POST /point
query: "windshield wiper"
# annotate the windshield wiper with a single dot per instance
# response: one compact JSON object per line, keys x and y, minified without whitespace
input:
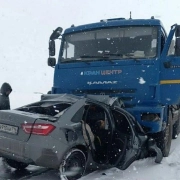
{"x":109,"y":55}
{"x":74,"y":60}
{"x":105,"y":55}
{"x":131,"y":56}
{"x":102,"y":57}
{"x":90,"y":56}
{"x":113,"y":54}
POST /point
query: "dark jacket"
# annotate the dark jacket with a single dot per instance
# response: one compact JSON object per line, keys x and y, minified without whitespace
{"x":4,"y":98}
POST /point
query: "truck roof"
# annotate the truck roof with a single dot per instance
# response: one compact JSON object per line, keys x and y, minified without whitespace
{"x":114,"y":23}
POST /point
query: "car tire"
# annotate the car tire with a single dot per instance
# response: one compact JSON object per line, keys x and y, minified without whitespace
{"x":176,"y":128}
{"x":165,"y":137}
{"x":15,"y":164}
{"x":73,"y":165}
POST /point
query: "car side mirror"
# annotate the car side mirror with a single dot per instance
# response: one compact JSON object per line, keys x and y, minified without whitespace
{"x":51,"y":61}
{"x":52,"y":49}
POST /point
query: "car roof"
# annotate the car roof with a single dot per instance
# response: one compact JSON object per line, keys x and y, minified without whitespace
{"x":105,"y":99}
{"x":60,"y":97}
{"x":70,"y":98}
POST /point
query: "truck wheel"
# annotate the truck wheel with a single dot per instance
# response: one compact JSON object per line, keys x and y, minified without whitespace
{"x":15,"y":164}
{"x":176,"y":127}
{"x":73,"y":165}
{"x":165,"y":137}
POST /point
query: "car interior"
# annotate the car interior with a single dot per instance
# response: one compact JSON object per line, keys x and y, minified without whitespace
{"x":108,"y":145}
{"x":94,"y":116}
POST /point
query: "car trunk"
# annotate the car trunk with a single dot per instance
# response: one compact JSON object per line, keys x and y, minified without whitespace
{"x":11,"y":124}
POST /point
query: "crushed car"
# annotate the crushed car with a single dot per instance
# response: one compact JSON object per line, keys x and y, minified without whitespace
{"x":73,"y":134}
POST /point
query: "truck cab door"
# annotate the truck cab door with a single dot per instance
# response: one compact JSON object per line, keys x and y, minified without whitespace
{"x":170,"y":69}
{"x":125,"y":146}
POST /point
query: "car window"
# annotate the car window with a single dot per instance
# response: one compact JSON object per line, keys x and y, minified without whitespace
{"x":121,"y":122}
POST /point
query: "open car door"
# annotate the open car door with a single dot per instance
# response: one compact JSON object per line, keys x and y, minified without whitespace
{"x":126,"y":145}
{"x":114,"y":137}
{"x":119,"y":144}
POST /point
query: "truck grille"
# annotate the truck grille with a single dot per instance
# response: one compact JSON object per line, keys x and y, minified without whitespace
{"x":126,"y":95}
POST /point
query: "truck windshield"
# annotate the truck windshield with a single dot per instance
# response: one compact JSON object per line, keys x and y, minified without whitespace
{"x":135,"y":42}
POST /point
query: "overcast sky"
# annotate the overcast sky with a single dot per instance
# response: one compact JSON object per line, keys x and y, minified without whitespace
{"x":67,"y":12}
{"x":25,"y":27}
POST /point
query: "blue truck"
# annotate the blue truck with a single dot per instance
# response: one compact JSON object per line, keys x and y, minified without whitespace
{"x":132,"y":59}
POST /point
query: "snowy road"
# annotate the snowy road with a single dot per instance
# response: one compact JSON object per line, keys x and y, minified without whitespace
{"x":7,"y":173}
{"x":144,"y":169}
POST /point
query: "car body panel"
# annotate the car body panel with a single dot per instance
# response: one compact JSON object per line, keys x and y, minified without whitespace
{"x":16,"y":118}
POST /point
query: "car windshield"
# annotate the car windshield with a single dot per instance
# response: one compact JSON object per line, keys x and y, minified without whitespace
{"x":112,"y":43}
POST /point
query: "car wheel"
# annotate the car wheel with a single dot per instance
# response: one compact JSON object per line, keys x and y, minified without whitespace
{"x":73,"y":165}
{"x":176,"y":129}
{"x":15,"y":164}
{"x":165,"y":137}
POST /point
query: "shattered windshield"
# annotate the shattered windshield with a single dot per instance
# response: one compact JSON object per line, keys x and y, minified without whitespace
{"x":112,"y":43}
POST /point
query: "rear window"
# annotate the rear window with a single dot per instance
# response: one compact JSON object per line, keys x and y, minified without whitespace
{"x":46,"y":108}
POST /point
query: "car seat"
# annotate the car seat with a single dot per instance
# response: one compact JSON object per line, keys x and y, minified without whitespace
{"x":91,"y":140}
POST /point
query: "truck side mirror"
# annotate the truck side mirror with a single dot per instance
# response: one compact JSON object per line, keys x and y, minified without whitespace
{"x":56,"y":33}
{"x":51,"y":61}
{"x":52,"y":49}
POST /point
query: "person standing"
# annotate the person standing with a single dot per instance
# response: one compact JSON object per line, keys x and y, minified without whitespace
{"x":4,"y":96}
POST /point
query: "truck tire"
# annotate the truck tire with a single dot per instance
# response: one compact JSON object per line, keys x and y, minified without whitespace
{"x":176,"y":128}
{"x":164,"y":138}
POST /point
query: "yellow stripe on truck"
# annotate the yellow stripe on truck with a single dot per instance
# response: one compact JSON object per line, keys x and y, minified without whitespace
{"x":170,"y":82}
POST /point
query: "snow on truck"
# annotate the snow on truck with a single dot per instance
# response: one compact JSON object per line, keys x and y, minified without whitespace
{"x":132,"y":59}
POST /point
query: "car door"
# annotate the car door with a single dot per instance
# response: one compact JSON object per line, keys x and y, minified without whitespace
{"x":125,"y":146}
{"x":170,"y":68}
{"x":95,"y":114}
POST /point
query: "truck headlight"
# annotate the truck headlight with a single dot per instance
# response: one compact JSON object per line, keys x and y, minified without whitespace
{"x":150,"y":117}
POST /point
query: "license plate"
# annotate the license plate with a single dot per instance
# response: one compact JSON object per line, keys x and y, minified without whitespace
{"x":8,"y":129}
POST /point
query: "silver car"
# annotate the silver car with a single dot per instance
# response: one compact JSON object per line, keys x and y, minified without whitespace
{"x":73,"y":134}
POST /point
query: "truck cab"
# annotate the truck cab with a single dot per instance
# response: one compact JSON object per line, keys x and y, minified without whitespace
{"x":132,"y":59}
